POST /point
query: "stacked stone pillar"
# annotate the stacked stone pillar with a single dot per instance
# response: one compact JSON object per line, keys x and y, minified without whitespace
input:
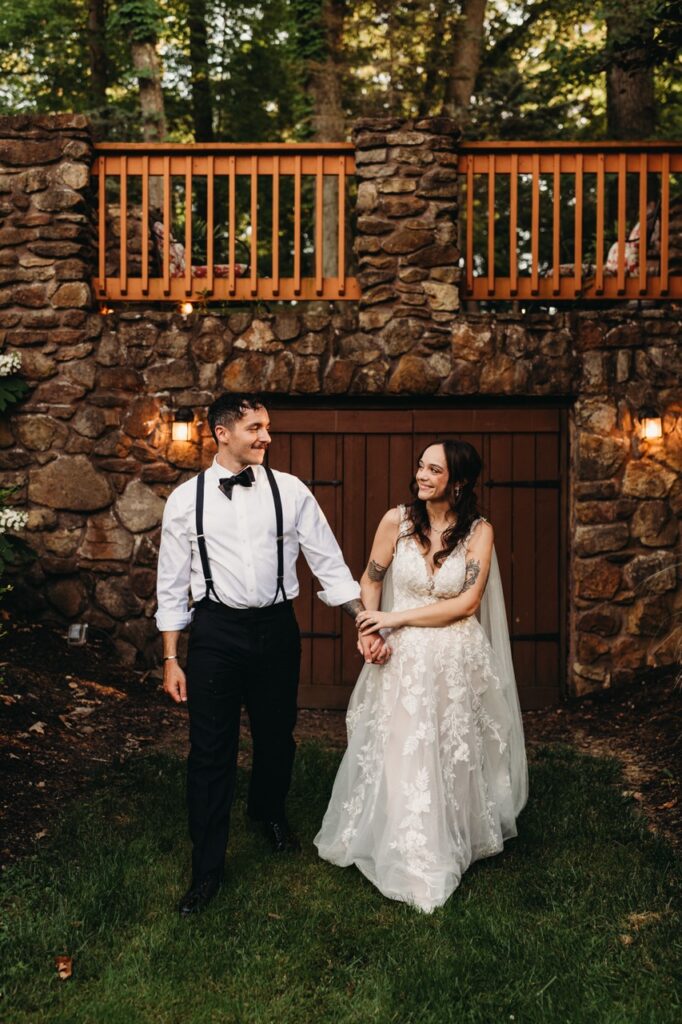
{"x":405,"y":245}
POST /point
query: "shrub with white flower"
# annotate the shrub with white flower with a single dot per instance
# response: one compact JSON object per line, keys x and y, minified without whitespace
{"x":12,"y":387}
{"x":13,"y":549}
{"x":12,"y":519}
{"x":10,"y":362}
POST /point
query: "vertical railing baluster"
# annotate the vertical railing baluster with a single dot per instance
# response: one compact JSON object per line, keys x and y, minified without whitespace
{"x":188,"y":225}
{"x":622,"y":222}
{"x":297,"y":224}
{"x":123,"y":268}
{"x":319,"y":225}
{"x":556,"y":227}
{"x":275,"y":225}
{"x":254,"y":225}
{"x":513,"y":224}
{"x":144,"y":240}
{"x":491,"y":224}
{"x":341,"y":258}
{"x":535,"y":224}
{"x":599,"y":270}
{"x":665,"y":222}
{"x":102,"y":251}
{"x":578,"y":227}
{"x":642,"y":245}
{"x":232,"y":224}
{"x":470,"y":225}
{"x":210,"y":223}
{"x":167,"y":226}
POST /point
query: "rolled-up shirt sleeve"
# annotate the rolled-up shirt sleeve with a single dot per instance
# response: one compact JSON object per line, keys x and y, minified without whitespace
{"x":174,"y":570}
{"x":322,"y":552}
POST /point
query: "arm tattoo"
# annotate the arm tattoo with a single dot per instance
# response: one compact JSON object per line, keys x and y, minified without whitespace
{"x":375,"y":571}
{"x":353,"y":608}
{"x":472,"y":572}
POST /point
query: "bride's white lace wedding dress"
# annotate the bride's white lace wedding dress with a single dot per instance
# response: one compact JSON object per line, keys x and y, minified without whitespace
{"x":435,"y":771}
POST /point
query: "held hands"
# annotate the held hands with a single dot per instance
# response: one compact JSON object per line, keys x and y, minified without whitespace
{"x":174,"y":682}
{"x":374,"y":649}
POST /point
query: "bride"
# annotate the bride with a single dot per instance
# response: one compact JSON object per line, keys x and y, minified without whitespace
{"x":435,"y":774}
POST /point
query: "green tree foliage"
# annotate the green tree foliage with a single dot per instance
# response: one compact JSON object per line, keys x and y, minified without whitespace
{"x":543,"y":69}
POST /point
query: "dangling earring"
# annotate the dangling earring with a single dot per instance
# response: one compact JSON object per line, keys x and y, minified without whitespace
{"x":458,"y":491}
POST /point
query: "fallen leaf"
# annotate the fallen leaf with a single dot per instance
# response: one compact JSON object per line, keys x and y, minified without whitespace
{"x":626,"y":940}
{"x":647,"y":917}
{"x":41,"y":834}
{"x":38,"y":727}
{"x":104,"y":691}
{"x":276,"y":917}
{"x":667,"y":806}
{"x":64,"y":965}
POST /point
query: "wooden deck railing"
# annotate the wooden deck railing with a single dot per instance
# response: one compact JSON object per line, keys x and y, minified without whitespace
{"x":560,"y":221}
{"x":540,"y":221}
{"x":223,"y":221}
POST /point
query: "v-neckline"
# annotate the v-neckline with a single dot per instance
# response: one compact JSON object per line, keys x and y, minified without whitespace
{"x":431,"y":575}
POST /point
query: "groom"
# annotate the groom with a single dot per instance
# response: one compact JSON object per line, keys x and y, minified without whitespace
{"x":231,"y":535}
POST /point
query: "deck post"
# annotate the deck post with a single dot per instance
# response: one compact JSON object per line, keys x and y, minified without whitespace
{"x":406,"y":237}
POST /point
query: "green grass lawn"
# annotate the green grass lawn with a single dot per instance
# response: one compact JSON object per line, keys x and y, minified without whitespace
{"x":541,"y":933}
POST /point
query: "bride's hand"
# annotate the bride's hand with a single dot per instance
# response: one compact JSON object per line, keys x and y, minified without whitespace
{"x":371,"y":622}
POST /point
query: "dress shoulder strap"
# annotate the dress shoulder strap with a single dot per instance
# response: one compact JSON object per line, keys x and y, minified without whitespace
{"x":481,"y":519}
{"x":405,"y":524}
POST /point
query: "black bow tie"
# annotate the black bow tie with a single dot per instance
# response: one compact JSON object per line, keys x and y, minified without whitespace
{"x":243,"y":479}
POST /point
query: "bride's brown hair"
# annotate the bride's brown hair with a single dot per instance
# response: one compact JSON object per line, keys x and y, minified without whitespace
{"x":464,"y":466}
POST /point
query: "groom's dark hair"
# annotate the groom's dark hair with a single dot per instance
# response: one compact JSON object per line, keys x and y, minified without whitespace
{"x":230,"y":407}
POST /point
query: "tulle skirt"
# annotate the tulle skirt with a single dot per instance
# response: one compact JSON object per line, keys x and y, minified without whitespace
{"x":426,"y":785}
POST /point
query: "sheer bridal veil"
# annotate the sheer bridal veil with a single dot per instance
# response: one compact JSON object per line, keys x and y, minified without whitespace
{"x":492,"y":615}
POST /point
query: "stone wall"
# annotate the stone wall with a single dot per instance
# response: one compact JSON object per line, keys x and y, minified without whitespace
{"x":91,"y":449}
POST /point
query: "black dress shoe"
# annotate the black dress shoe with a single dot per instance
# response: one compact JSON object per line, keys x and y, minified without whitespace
{"x":199,"y":895}
{"x":281,"y":838}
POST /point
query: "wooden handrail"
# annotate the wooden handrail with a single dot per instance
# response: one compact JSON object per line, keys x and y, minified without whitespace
{"x":578,"y":209}
{"x":231,"y":200}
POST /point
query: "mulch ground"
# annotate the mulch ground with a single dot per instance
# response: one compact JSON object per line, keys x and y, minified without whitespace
{"x":69,"y":713}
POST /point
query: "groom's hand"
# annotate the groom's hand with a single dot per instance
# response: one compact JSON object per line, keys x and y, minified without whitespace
{"x":374,"y":649}
{"x":174,"y":682}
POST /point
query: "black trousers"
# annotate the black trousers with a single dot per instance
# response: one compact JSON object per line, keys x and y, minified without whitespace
{"x":238,"y":656}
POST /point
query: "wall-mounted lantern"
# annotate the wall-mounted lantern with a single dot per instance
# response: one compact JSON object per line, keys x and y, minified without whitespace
{"x":185,"y":308}
{"x":181,"y":429}
{"x":650,"y":424}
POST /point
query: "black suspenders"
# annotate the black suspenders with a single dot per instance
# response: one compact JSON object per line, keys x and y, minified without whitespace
{"x":201,"y":540}
{"x":279,"y":521}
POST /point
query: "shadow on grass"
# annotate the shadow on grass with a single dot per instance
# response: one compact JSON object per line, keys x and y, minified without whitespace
{"x":542,"y":933}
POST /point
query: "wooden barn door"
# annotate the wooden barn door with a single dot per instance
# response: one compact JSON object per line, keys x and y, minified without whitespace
{"x":360,"y":462}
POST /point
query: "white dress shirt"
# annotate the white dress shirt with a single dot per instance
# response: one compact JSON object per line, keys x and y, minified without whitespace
{"x":241,"y":541}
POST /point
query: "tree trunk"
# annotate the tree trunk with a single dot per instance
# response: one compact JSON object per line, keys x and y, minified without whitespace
{"x":148,"y":70}
{"x":630,"y":96}
{"x":466,"y":60}
{"x":434,"y":61}
{"x":97,"y":55}
{"x":328,"y":122}
{"x":202,"y":104}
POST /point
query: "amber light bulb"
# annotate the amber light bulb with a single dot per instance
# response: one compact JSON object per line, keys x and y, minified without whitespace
{"x":650,"y":424}
{"x":181,"y":429}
